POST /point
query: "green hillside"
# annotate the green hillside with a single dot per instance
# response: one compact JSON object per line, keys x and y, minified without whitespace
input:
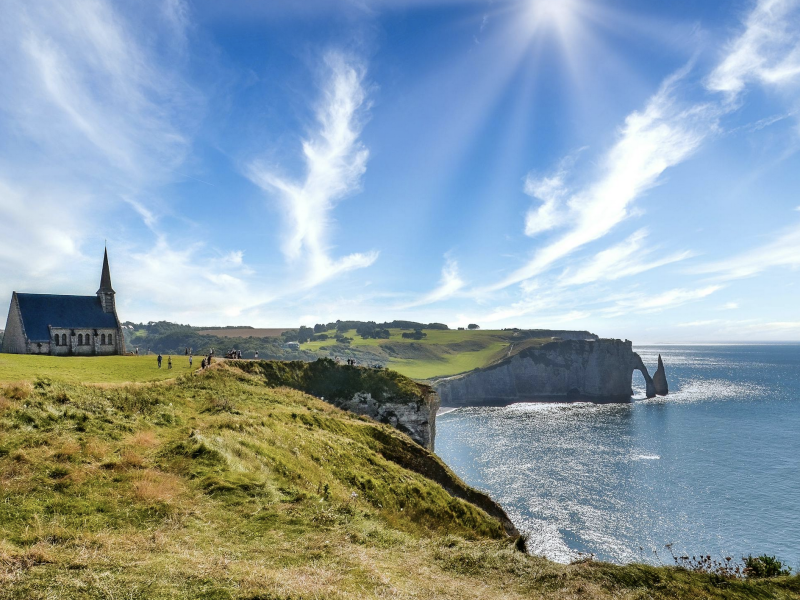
{"x":438,"y":352}
{"x":215,"y":485}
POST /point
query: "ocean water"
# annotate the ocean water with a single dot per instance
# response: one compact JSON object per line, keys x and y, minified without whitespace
{"x":713,"y":468}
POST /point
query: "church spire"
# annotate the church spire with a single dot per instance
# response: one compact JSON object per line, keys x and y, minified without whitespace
{"x":106,"y":292}
{"x":105,"y":278}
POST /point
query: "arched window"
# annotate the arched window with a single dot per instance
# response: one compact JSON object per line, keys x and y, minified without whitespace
{"x":103,"y":339}
{"x":80,"y":339}
{"x":110,"y":339}
{"x":56,"y":339}
{"x":63,"y":339}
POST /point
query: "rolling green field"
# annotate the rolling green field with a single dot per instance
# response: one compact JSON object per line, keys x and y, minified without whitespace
{"x":91,"y":369}
{"x":440,"y":353}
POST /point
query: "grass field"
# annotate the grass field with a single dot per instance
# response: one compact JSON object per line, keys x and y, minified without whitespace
{"x":91,"y":369}
{"x":214,"y":486}
{"x":440,"y":353}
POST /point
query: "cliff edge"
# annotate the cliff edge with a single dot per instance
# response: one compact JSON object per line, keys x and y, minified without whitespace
{"x":384,"y":395}
{"x":567,"y":369}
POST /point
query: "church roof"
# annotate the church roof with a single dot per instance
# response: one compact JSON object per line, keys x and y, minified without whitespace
{"x":40,"y":310}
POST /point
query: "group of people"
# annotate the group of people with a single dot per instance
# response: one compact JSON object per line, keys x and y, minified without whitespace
{"x":206,"y":362}
{"x":233,"y":354}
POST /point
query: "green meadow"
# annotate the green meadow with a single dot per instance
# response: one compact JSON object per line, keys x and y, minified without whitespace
{"x":439,"y":354}
{"x":92,"y":369}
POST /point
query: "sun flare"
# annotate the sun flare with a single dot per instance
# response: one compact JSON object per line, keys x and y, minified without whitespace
{"x":554,"y":14}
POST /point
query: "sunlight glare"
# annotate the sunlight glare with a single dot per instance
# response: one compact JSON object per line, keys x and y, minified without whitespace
{"x":554,"y":14}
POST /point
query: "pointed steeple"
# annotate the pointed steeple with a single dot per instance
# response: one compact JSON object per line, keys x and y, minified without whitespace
{"x":105,"y":278}
{"x":106,"y":292}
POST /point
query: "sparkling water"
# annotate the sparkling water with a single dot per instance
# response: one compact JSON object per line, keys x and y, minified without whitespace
{"x":713,"y":468}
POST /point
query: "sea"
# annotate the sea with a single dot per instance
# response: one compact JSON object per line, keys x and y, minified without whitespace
{"x":711,"y":469}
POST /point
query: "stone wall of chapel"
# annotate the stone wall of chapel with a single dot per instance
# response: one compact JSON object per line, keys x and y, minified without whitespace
{"x":14,"y":340}
{"x":94,"y":347}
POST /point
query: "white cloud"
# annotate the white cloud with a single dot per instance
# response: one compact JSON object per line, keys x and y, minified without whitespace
{"x":662,"y":135}
{"x":91,"y":114}
{"x":627,"y":258}
{"x":551,"y":190}
{"x":648,"y":303}
{"x":187,"y":282}
{"x":335,"y":159}
{"x":449,"y":284}
{"x":730,"y":306}
{"x":39,"y":247}
{"x":82,"y":81}
{"x":767,"y":51}
{"x":783,"y":251}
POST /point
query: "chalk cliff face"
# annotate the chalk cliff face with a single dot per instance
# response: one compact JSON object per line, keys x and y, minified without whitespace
{"x":570,"y":369}
{"x":416,"y":419}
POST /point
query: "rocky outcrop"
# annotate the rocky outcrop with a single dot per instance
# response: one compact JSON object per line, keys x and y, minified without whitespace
{"x":660,"y":386}
{"x":416,"y":419}
{"x":638,"y":364}
{"x":567,"y":370}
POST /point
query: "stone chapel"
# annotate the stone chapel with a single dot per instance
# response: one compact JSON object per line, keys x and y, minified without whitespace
{"x":65,"y":325}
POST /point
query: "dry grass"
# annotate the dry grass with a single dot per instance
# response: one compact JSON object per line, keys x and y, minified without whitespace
{"x":67,"y":451}
{"x":16,"y":390}
{"x":155,"y":486}
{"x":96,"y":449}
{"x":144,"y":439}
{"x":130,"y":459}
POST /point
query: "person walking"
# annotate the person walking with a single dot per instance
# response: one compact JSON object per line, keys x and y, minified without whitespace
{"x":159,"y":360}
{"x":190,"y":361}
{"x":169,"y":362}
{"x":256,"y":354}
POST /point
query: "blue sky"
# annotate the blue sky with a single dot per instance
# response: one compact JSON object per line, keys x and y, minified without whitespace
{"x":630,"y":168}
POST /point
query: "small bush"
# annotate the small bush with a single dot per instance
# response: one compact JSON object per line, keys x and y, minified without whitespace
{"x":758,"y":567}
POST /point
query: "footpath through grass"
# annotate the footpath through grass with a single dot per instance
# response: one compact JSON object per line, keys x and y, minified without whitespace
{"x":216,"y":486}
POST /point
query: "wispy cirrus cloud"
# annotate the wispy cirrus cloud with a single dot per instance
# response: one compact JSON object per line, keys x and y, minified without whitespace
{"x":82,"y":81}
{"x":449,"y":285}
{"x":665,"y":133}
{"x":629,"y":257}
{"x":767,"y":51}
{"x":335,"y":159}
{"x":783,"y":251}
{"x":649,"y":303}
{"x":94,"y":110}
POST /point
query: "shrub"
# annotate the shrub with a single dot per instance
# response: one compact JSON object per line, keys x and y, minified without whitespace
{"x":764,"y":566}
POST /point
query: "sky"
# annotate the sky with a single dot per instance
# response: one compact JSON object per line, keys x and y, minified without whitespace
{"x":630,"y":168}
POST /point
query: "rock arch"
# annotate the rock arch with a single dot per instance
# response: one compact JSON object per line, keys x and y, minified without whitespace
{"x":638,"y":365}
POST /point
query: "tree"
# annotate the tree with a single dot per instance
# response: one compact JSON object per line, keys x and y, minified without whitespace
{"x":304,"y":334}
{"x":320,"y":328}
{"x":473,"y":326}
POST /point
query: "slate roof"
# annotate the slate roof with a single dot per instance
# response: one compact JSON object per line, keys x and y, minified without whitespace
{"x":40,"y":310}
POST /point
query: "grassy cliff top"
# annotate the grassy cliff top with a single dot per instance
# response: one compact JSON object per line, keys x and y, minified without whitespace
{"x":218,"y":486}
{"x":440,"y":353}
